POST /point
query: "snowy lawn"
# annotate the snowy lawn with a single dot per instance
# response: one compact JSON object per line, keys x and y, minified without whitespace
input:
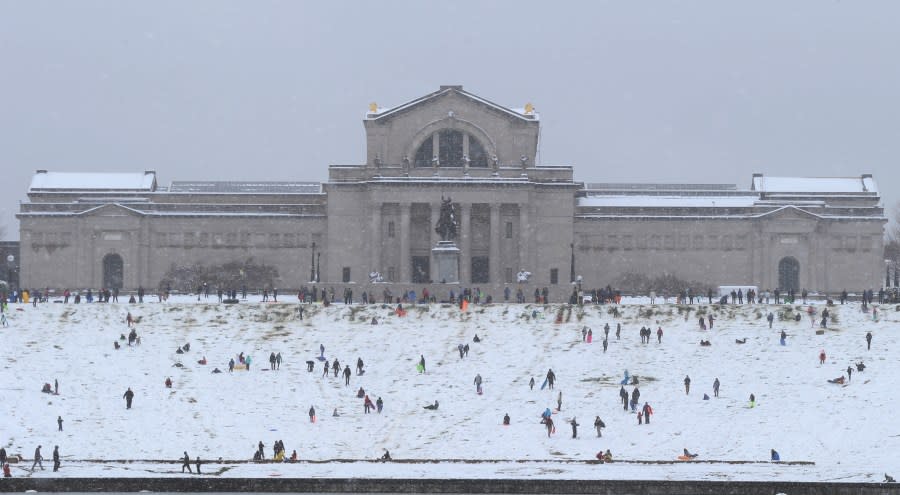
{"x":846,"y":431}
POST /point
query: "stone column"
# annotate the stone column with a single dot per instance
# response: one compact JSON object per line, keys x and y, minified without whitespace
{"x":524,"y":240}
{"x":495,"y":269}
{"x":375,"y":262}
{"x":405,"y":260}
{"x":465,"y":240}
{"x":435,"y":237}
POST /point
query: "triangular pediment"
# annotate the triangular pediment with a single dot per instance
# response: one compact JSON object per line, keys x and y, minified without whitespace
{"x":111,"y":210}
{"x":455,"y":94}
{"x":789,"y":212}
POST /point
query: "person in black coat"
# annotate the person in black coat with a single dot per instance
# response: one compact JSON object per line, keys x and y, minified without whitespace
{"x":128,"y":396}
{"x":186,"y":463}
{"x":56,"y":458}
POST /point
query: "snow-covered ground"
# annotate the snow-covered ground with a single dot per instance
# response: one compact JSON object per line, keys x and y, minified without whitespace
{"x":848,"y":431}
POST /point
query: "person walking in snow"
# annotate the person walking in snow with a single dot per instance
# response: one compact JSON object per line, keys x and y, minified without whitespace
{"x":551,"y":377}
{"x":584,"y":334}
{"x":849,"y":373}
{"x":659,"y":333}
{"x":129,"y":396}
{"x":272,"y":361}
{"x":687,"y":384}
{"x":186,"y":463}
{"x":549,"y":423}
{"x":324,"y":369}
{"x":716,"y":387}
{"x":605,"y":345}
{"x":606,"y":331}
{"x":868,"y":341}
{"x":56,"y":458}
{"x":478,"y":383}
{"x":37,"y":459}
{"x":531,"y":384}
{"x":711,"y":319}
{"x":312,"y":414}
{"x":618,"y":330}
{"x":770,"y":317}
{"x":559,"y":401}
{"x":347,"y":374}
{"x":598,"y":425}
{"x":623,"y":394}
{"x":336,"y":367}
{"x":359,"y":366}
{"x":574,"y":428}
{"x":422,"y":363}
{"x":648,"y":411}
{"x":278,"y":361}
{"x":822,"y":356}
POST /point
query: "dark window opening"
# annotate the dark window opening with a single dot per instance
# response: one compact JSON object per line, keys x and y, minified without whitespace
{"x":480,"y":270}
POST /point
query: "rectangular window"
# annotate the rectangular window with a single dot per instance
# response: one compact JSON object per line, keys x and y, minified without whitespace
{"x":391,"y":229}
{"x":509,"y":230}
{"x":554,"y":276}
{"x":345,"y":276}
{"x":391,"y":274}
{"x":509,"y":275}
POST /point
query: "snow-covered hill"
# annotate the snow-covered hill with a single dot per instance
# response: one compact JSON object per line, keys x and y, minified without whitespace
{"x":847,"y":431}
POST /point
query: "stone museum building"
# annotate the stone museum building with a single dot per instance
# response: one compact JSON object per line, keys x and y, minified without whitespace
{"x":93,"y":230}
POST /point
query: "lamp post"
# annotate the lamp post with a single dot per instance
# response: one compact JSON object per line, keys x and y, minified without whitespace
{"x":318,"y":264}
{"x":312,"y":263}
{"x":572,"y":264}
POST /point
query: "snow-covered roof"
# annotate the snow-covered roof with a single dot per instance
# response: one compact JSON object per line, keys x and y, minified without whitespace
{"x":652,"y":201}
{"x":245,"y":187}
{"x":862,"y":184}
{"x":99,"y":181}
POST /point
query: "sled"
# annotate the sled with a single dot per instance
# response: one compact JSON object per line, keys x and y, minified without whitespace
{"x":685,"y":458}
{"x":240,"y":366}
{"x":360,"y":372}
{"x":590,"y":339}
{"x":544,"y":384}
{"x":322,"y":358}
{"x":420,"y":368}
{"x":481,"y":392}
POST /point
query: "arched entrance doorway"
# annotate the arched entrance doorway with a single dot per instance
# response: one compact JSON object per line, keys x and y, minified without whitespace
{"x":113,"y":271}
{"x":788,"y":274}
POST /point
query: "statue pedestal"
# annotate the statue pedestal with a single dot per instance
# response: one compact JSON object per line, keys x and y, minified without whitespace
{"x":446,"y":261}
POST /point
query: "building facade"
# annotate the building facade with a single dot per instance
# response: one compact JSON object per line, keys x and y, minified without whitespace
{"x":82,"y":230}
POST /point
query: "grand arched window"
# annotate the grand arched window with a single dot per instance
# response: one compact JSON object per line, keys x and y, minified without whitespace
{"x":451,"y":147}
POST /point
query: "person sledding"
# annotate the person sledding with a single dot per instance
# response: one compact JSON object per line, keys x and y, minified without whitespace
{"x":432,"y":407}
{"x":839,"y":380}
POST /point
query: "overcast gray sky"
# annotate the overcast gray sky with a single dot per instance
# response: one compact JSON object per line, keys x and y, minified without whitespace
{"x":627,"y":91}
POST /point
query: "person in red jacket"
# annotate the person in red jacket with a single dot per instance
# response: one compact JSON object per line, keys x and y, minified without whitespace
{"x":822,"y":357}
{"x":648,"y":411}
